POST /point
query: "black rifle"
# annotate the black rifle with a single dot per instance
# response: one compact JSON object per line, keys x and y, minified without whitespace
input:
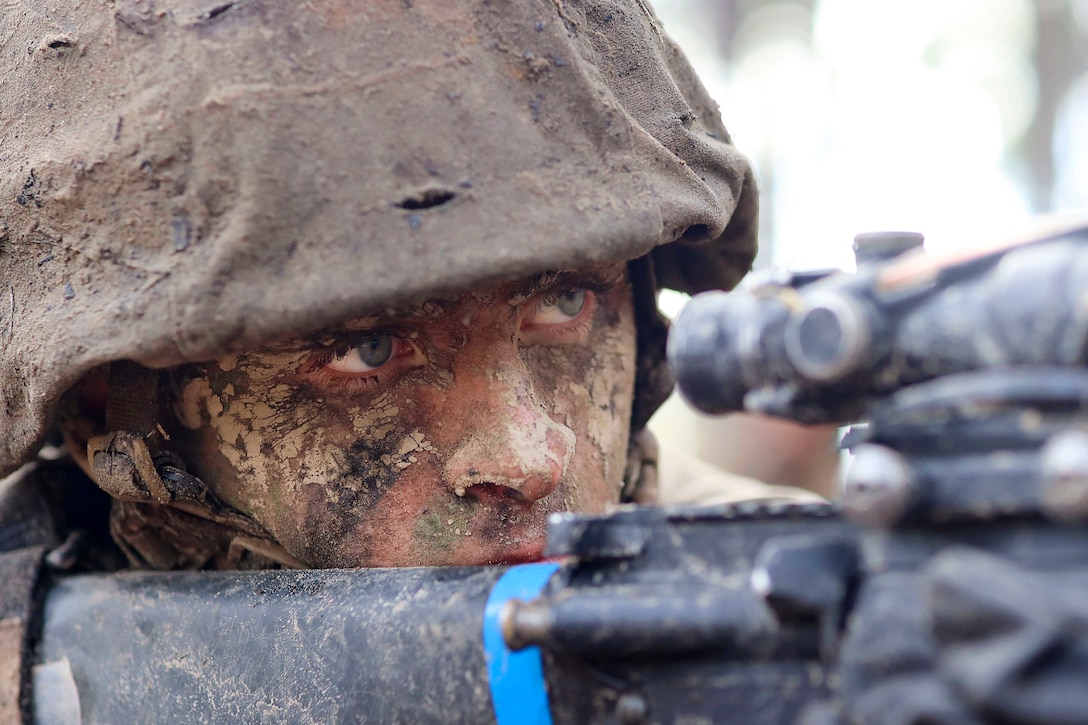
{"x":949,"y":585}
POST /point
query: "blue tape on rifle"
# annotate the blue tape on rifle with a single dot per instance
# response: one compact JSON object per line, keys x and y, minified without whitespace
{"x":517,"y":678}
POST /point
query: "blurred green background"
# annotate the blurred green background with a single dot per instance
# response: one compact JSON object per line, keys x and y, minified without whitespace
{"x":960,"y":119}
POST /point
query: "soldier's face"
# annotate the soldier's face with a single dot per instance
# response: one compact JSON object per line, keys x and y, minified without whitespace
{"x":441,"y":434}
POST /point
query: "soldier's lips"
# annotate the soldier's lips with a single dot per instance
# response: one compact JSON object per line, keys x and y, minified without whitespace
{"x":527,"y":552}
{"x":520,"y":547}
{"x":520,"y":559}
{"x":512,"y":533}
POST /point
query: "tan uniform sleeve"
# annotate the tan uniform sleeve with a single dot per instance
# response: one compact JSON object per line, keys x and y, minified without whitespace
{"x":684,"y":479}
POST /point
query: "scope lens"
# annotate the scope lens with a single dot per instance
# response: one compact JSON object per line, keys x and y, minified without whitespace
{"x":821,"y":337}
{"x":828,"y":340}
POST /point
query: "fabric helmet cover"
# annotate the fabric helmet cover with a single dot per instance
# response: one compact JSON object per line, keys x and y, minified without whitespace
{"x":183,"y":179}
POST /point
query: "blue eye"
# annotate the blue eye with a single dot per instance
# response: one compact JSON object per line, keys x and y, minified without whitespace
{"x":556,"y":309}
{"x":571,"y":303}
{"x":376,"y":351}
{"x":370,"y":354}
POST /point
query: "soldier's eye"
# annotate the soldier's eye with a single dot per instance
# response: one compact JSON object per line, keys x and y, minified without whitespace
{"x":369,"y":355}
{"x":557,"y":308}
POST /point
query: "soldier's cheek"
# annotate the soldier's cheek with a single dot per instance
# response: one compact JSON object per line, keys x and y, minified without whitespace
{"x":414,"y":525}
{"x":591,"y":392}
{"x":401,"y":516}
{"x":352,"y":496}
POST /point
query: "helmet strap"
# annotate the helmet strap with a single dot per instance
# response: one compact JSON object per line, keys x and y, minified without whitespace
{"x":653,"y":384}
{"x":132,"y":404}
{"x":653,"y":381}
{"x":640,"y":476}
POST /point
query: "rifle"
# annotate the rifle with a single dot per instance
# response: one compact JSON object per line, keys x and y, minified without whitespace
{"x":949,"y":584}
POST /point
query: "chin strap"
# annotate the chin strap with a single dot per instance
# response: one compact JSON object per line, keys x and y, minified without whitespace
{"x":164,"y":517}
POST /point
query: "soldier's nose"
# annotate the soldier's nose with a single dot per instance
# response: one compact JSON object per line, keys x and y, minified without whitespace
{"x":522,"y":457}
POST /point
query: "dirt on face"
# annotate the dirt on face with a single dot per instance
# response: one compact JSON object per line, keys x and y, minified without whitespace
{"x":439,"y":434}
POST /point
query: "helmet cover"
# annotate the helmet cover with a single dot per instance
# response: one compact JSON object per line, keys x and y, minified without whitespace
{"x":184,"y":179}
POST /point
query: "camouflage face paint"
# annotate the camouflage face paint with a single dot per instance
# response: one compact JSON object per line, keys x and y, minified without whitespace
{"x":443,"y":434}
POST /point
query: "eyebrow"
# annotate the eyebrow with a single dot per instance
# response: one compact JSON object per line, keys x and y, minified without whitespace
{"x":523,"y":289}
{"x":595,"y":279}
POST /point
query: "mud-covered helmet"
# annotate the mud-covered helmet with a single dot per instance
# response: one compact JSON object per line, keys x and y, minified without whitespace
{"x":183,"y":179}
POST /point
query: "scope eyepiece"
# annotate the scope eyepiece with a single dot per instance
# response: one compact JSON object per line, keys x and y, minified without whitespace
{"x":828,"y":339}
